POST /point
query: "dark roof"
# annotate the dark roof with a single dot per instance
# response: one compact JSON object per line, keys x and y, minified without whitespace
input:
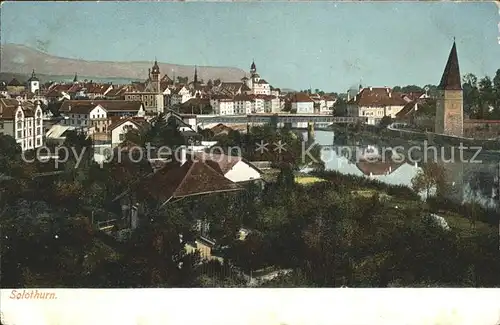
{"x":15,"y":83}
{"x":192,"y":178}
{"x":451,"y":75}
{"x":8,"y":108}
{"x":139,"y":123}
{"x":85,"y":106}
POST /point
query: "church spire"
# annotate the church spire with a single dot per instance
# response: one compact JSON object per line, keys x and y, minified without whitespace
{"x":451,"y":75}
{"x":195,"y":75}
{"x":76,"y":78}
{"x":253,"y":68}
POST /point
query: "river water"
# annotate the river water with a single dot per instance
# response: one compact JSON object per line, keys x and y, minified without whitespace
{"x":466,"y":180}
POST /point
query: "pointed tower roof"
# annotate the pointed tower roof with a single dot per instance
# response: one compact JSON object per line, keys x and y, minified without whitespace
{"x":195,"y":75}
{"x":75,"y":79}
{"x":33,"y":77}
{"x":156,"y":68}
{"x":451,"y":75}
{"x":253,"y":67}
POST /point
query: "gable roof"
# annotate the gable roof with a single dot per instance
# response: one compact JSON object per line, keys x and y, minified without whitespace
{"x":139,"y":123}
{"x":85,"y":106}
{"x":451,"y":75}
{"x":377,"y":97}
{"x":8,"y":108}
{"x":223,"y":162}
{"x":189,"y":179}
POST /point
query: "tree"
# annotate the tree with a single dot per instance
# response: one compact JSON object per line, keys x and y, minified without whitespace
{"x":340,"y":107}
{"x":471,"y":95}
{"x":385,"y":122}
{"x":432,"y":175}
{"x":487,"y":96}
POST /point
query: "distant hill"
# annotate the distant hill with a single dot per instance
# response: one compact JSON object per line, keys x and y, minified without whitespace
{"x":7,"y":76}
{"x":20,"y":59}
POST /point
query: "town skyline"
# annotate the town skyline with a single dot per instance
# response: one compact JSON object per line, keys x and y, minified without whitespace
{"x":324,"y":47}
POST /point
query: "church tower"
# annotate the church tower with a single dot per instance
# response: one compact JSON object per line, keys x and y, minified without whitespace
{"x":33,"y":83}
{"x":449,"y":104}
{"x":155,"y":77}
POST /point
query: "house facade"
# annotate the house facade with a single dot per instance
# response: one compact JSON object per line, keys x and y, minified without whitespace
{"x":96,"y":116}
{"x":375,"y":103}
{"x":22,"y":121}
{"x":301,"y":103}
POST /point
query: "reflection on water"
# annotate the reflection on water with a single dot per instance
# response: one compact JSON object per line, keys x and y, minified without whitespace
{"x":467,"y":180}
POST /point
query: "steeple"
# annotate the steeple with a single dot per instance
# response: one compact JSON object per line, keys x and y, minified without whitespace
{"x":195,"y":75}
{"x":76,"y":78}
{"x":451,"y":75}
{"x":253,"y":68}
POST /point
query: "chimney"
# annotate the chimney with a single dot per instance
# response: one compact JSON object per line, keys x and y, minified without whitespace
{"x":348,"y":95}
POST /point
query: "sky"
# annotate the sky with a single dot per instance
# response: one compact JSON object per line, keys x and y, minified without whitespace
{"x":326,"y":45}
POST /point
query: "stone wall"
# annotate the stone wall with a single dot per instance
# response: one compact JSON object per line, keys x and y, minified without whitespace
{"x":449,"y":113}
{"x":482,"y":129}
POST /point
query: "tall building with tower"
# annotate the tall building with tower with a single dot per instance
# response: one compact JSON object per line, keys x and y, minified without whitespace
{"x":449,"y":104}
{"x":151,"y":96}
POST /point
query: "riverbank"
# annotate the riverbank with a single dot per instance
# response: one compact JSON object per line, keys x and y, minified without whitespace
{"x":401,"y":198}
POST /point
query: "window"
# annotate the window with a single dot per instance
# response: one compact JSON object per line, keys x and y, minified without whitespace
{"x":38,"y":121}
{"x":38,"y":131}
{"x":37,"y":142}
{"x":19,"y":134}
{"x":19,"y":125}
{"x":121,"y":137}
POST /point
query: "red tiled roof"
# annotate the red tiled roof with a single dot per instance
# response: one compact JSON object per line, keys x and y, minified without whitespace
{"x":378,"y":97}
{"x":191,"y":178}
{"x":8,"y":108}
{"x":301,"y":98}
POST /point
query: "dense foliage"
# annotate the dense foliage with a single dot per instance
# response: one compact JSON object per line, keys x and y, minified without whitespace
{"x":344,"y":231}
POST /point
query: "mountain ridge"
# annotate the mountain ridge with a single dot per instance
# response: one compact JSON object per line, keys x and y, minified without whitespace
{"x":22,"y":59}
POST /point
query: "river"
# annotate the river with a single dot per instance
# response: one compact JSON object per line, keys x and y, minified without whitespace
{"x":467,"y":180}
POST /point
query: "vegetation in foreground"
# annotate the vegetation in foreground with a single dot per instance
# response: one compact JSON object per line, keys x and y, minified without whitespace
{"x":344,"y":231}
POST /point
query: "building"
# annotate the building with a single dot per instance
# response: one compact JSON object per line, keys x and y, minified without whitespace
{"x":256,"y":85}
{"x":23,"y":121}
{"x":33,"y":83}
{"x":119,"y":128}
{"x":152,"y":95}
{"x":234,"y":168}
{"x":302,"y":104}
{"x":375,"y":103}
{"x":449,"y":106}
{"x":94,"y":116}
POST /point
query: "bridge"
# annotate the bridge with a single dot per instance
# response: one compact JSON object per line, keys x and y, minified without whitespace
{"x":278,"y":118}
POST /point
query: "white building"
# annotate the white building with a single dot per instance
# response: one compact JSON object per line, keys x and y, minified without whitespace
{"x":22,"y":121}
{"x":119,"y":128}
{"x":257,"y":85}
{"x":243,"y":105}
{"x":302,"y":104}
{"x":375,"y":103}
{"x":95,"y":116}
{"x":33,"y":83}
